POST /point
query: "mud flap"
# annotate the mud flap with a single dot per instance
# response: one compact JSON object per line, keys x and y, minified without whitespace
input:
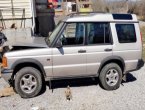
{"x":124,"y":78}
{"x":50,"y":85}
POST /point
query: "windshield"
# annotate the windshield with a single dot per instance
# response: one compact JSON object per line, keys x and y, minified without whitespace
{"x":50,"y":39}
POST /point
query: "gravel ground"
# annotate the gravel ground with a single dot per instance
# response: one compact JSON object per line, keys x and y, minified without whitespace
{"x":87,"y":95}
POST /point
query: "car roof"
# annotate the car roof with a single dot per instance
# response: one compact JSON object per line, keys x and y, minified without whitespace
{"x":100,"y":17}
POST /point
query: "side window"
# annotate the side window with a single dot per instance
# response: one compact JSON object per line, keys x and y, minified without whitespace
{"x":73,"y":34}
{"x":126,"y":33}
{"x":98,"y":33}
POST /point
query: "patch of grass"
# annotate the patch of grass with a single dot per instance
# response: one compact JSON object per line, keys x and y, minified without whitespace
{"x":143,"y":36}
{"x":144,"y":54}
{"x":143,"y":33}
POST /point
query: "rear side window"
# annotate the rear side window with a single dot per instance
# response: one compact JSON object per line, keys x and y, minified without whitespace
{"x":126,"y":33}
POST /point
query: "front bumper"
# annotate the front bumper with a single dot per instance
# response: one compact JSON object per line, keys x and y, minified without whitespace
{"x":6,"y":74}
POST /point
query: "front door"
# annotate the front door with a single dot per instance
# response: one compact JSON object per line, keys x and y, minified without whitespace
{"x":70,"y":59}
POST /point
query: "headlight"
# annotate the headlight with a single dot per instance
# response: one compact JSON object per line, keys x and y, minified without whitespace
{"x":4,"y":62}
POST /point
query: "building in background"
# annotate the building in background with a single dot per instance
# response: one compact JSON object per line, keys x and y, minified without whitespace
{"x":36,"y":16}
{"x":25,"y":16}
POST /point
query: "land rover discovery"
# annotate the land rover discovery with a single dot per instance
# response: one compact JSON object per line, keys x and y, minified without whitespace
{"x":101,"y":45}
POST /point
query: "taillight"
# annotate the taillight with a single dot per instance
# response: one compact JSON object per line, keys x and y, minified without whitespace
{"x":4,"y":62}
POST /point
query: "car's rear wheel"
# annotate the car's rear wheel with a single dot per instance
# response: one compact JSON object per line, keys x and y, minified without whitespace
{"x":28,"y":82}
{"x":111,"y":76}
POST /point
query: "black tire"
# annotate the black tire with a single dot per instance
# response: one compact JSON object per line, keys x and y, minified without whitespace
{"x":105,"y":76}
{"x":22,"y":86}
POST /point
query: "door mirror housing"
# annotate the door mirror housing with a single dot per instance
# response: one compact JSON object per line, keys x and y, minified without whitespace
{"x":58,"y":44}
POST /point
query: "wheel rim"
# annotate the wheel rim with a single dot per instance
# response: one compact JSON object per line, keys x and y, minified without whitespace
{"x":28,"y":83}
{"x":112,"y":77}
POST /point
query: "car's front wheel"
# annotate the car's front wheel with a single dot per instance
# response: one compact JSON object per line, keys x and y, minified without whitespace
{"x":111,"y":76}
{"x":28,"y":82}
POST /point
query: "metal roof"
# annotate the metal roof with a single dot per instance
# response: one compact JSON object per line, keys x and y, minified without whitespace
{"x":100,"y":17}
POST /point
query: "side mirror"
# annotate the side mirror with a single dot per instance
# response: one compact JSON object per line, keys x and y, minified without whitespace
{"x":58,"y":44}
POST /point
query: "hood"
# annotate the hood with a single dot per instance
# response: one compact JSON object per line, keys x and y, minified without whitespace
{"x":37,"y":42}
{"x":34,"y":42}
{"x":33,"y":47}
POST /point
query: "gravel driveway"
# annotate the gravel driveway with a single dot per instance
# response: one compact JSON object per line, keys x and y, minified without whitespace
{"x":87,"y":95}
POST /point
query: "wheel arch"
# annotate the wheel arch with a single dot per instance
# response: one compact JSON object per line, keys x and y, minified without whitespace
{"x":113,"y":59}
{"x":19,"y":64}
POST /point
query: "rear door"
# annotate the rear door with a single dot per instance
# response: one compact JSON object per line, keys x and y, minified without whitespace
{"x":99,"y":45}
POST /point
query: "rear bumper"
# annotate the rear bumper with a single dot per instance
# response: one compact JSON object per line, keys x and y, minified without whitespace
{"x":7,"y":74}
{"x":140,"y":64}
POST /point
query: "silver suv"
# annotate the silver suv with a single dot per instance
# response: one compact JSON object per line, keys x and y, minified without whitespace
{"x":82,"y":45}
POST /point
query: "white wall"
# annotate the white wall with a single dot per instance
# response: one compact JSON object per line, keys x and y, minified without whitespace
{"x":19,"y":5}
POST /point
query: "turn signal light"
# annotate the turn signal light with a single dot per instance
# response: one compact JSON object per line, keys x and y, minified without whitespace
{"x":4,"y":62}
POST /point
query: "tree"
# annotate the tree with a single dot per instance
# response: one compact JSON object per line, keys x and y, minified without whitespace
{"x":99,"y":5}
{"x":143,"y":9}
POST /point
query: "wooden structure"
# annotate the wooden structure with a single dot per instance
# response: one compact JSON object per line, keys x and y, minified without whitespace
{"x":62,"y":7}
{"x":84,"y":5}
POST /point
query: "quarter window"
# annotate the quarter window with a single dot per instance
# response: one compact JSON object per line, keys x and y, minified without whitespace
{"x":126,"y":33}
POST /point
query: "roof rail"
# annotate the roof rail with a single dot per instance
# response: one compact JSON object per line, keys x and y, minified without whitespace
{"x":82,"y":13}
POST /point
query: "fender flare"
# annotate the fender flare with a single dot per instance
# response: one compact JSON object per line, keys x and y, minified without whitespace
{"x":109,"y":59}
{"x":29,"y":60}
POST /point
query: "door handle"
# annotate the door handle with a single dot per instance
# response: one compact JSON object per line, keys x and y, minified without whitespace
{"x":82,"y":51}
{"x":107,"y":50}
